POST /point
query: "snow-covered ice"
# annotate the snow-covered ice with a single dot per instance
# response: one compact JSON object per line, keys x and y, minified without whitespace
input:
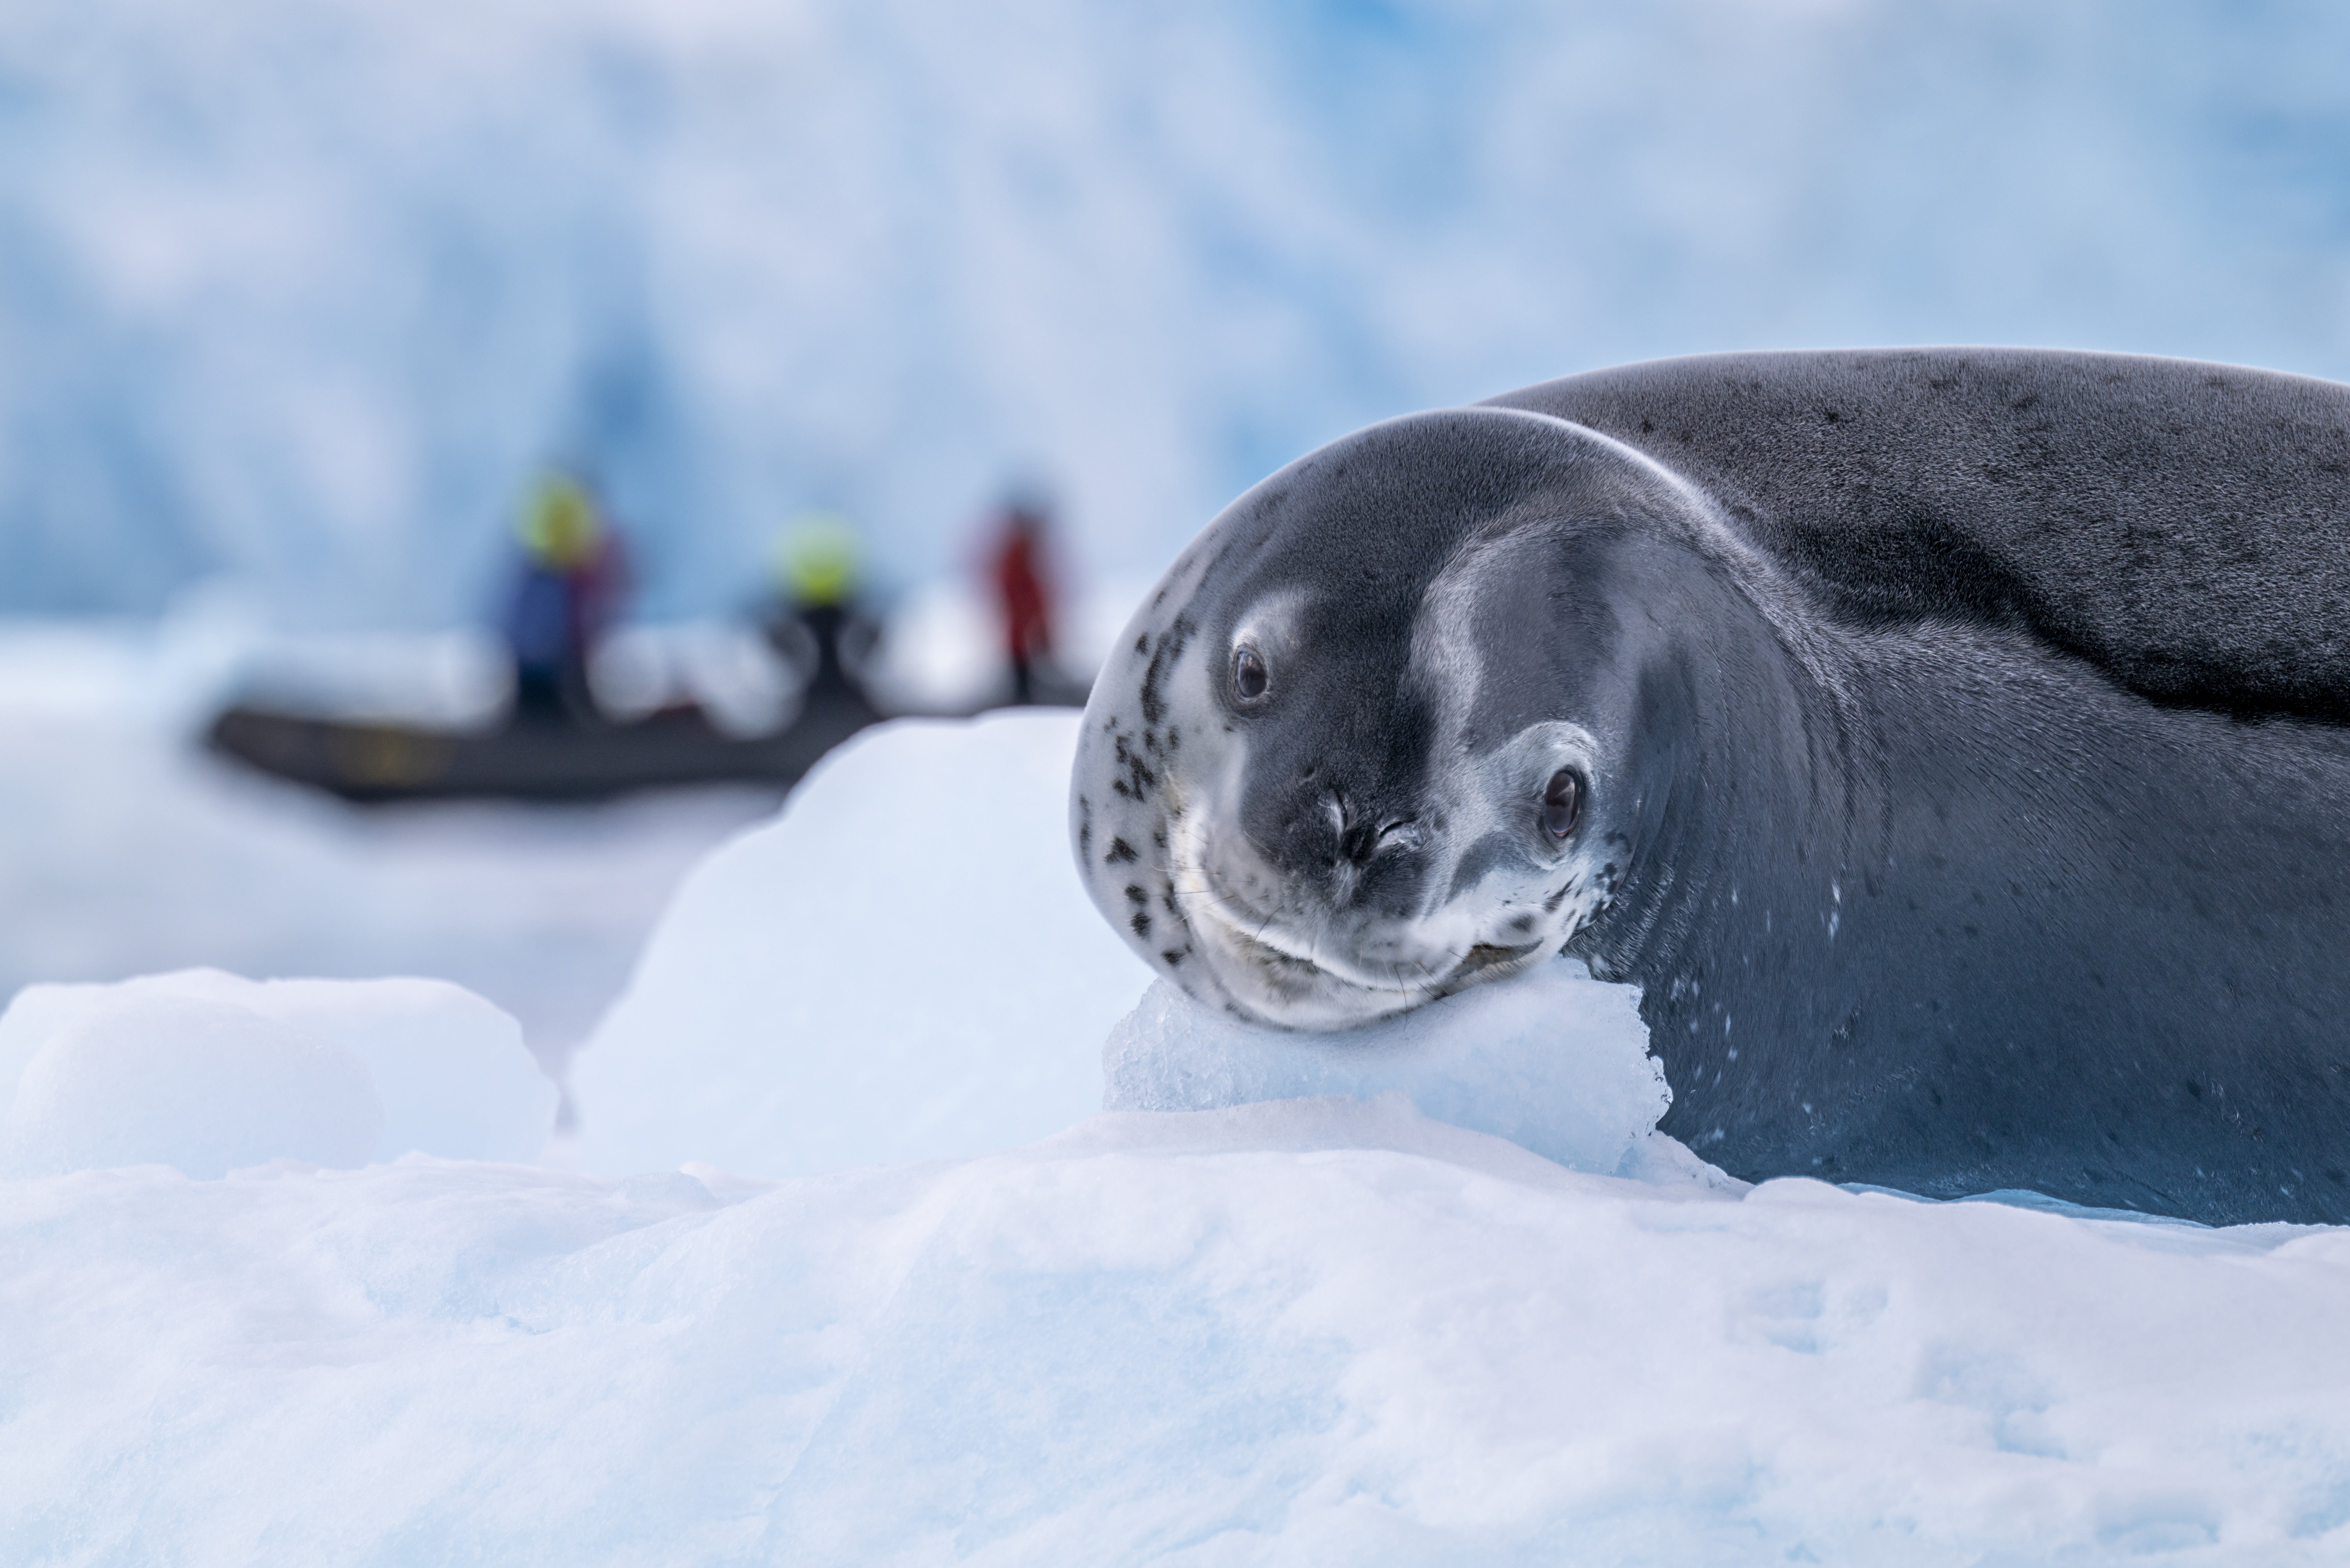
{"x":901,"y":966}
{"x":1348,"y":1312}
{"x":1316,"y":1331}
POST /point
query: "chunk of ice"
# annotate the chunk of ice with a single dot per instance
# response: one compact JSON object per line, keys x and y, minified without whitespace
{"x":1551,"y":1060}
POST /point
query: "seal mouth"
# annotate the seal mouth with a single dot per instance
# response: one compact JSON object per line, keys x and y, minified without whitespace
{"x":1292,"y":983}
{"x":1297,"y":969}
{"x":1266,"y":947}
{"x":1263,"y":976}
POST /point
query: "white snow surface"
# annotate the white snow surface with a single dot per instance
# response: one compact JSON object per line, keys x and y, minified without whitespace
{"x":1429,"y":1294}
{"x":1315,"y":1332}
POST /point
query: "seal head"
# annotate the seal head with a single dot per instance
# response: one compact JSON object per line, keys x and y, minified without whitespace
{"x":1375,"y":739}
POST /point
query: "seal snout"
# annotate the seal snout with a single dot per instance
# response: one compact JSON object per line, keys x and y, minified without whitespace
{"x":1362,"y":840}
{"x":1328,"y":841}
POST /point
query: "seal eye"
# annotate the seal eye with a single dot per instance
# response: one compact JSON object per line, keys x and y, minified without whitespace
{"x":1248,"y":673}
{"x":1563,"y":803}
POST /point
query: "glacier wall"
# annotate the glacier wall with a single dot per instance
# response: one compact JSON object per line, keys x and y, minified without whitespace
{"x":302,"y":293}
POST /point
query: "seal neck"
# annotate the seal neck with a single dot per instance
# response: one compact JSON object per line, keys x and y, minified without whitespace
{"x":1745,"y":764}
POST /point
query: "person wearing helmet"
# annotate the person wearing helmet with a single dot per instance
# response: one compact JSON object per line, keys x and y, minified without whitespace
{"x":565,"y":598}
{"x":819,"y":627}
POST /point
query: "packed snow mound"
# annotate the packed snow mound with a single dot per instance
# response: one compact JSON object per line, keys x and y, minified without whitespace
{"x":181,"y":1081}
{"x":1551,"y":1060}
{"x":1313,"y":1332}
{"x":901,"y":966}
{"x":208,"y":1073}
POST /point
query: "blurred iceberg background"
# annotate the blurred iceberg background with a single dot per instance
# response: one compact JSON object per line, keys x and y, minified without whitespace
{"x":305,"y":292}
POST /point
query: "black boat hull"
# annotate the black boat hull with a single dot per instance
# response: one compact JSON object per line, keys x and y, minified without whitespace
{"x":376,"y":762}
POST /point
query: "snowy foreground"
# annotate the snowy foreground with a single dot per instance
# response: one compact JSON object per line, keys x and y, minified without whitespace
{"x":1457,"y":1303}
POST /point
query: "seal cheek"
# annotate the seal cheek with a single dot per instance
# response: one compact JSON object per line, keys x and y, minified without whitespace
{"x":1488,"y":854}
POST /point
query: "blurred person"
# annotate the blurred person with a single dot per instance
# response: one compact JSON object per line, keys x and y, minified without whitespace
{"x":820,"y":628}
{"x":565,"y":598}
{"x":1019,"y":571}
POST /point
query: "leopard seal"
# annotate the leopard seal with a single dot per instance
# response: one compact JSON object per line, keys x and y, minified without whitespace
{"x":1953,"y":744}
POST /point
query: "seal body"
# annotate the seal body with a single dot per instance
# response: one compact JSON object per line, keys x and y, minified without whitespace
{"x":1953,"y":744}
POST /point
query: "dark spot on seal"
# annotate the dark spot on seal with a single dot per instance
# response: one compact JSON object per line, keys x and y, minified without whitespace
{"x":1085,"y":838}
{"x":1140,"y":778}
{"x":1162,"y":661}
{"x":1135,"y":894}
{"x":1173,"y":956}
{"x":1142,"y":923}
{"x":1142,"y":643}
{"x":1120,"y":853}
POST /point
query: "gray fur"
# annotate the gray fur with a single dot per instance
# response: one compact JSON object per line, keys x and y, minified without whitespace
{"x":1967,"y":735}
